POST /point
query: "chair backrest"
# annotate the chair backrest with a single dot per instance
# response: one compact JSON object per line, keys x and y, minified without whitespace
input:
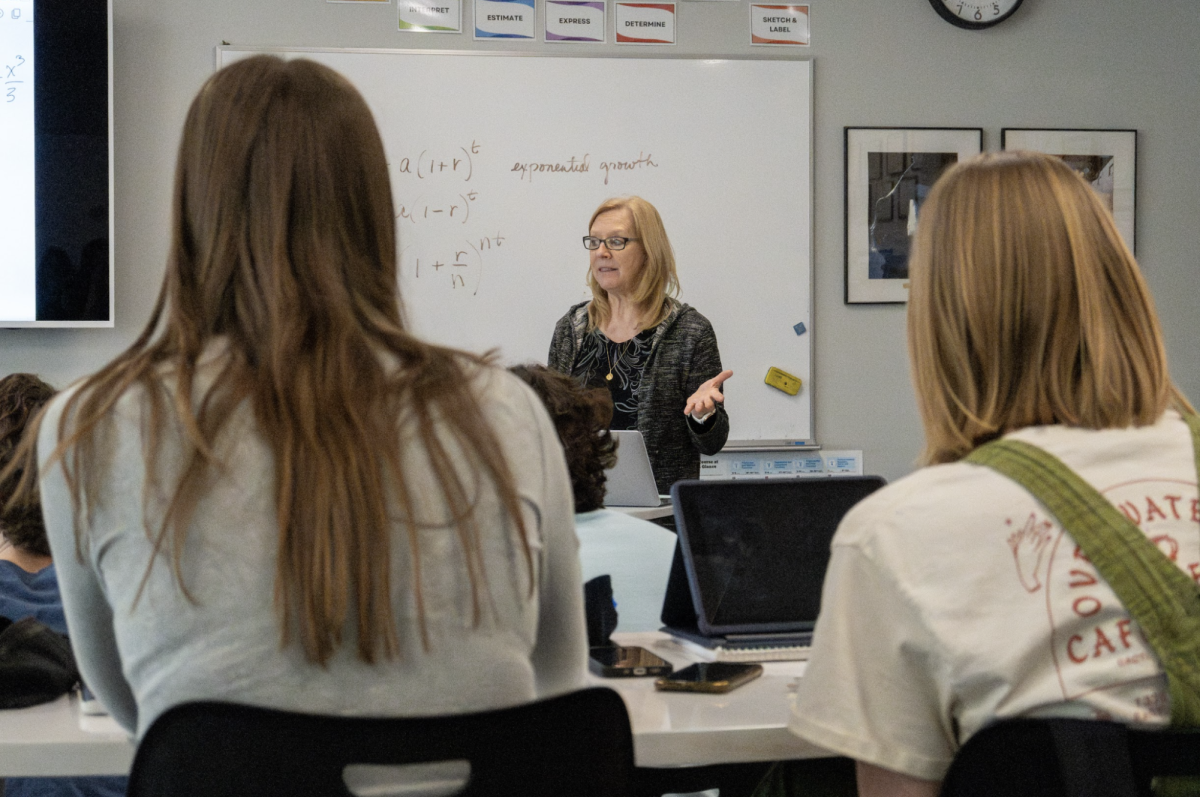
{"x":1069,"y":758}
{"x":575,"y":744}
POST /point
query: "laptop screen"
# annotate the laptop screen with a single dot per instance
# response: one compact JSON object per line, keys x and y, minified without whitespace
{"x":756,"y":551}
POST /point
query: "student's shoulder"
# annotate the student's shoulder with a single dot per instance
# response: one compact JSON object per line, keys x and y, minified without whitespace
{"x":505,"y":398}
{"x":926,"y":503}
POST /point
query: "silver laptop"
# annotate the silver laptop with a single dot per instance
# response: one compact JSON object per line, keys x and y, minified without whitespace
{"x":631,"y":481}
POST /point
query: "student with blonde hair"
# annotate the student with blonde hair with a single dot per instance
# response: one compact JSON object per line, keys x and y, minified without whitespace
{"x":953,"y":596}
{"x":278,"y":495}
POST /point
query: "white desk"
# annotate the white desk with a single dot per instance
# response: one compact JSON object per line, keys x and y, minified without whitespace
{"x":670,"y":729}
{"x":677,"y":729}
{"x":645,"y":512}
{"x":51,"y":740}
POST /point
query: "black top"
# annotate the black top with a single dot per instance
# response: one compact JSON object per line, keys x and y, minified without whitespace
{"x":683,"y":355}
{"x":616,"y":367}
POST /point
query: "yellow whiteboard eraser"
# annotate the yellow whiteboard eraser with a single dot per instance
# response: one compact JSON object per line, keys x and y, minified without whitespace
{"x":784,"y":381}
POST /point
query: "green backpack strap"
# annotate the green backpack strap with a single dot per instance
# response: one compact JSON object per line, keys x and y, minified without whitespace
{"x":1162,"y":599}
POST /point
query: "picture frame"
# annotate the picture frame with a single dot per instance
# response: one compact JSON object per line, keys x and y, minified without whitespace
{"x":885,"y":165}
{"x":1107,"y":159}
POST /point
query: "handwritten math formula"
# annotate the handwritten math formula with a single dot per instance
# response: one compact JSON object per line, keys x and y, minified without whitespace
{"x":440,"y":175}
{"x":442,"y":199}
{"x":459,"y":267}
{"x":16,"y":42}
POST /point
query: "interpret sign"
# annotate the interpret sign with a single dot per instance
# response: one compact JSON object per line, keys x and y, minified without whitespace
{"x":431,"y":16}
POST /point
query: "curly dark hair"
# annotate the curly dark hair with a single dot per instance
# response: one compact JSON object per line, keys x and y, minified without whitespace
{"x":581,"y":416}
{"x":21,"y":397}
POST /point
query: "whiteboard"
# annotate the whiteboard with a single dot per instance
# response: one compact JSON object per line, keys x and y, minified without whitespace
{"x":498,"y":160}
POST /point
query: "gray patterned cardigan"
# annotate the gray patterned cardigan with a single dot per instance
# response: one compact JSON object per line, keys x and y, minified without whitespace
{"x":683,"y":355}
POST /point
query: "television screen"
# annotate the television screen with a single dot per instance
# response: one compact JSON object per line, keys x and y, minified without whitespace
{"x":55,"y":163}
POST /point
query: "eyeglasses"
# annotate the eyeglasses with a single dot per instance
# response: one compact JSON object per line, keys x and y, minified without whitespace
{"x":614,"y":244}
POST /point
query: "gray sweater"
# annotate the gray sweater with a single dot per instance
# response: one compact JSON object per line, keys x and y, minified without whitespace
{"x":683,"y":355}
{"x":142,"y":659}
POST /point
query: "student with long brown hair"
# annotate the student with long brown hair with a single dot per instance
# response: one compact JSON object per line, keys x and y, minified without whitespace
{"x":954,"y":597}
{"x":277,"y":495}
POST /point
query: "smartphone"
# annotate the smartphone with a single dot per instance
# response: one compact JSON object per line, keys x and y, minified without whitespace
{"x":617,"y":661}
{"x":715,"y":676}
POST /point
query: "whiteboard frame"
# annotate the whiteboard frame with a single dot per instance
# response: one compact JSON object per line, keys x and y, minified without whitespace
{"x":767,"y":444}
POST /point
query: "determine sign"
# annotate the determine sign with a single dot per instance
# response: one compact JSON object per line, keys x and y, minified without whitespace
{"x":573,"y":21}
{"x":424,"y":16}
{"x":645,"y":23}
{"x":504,"y":19}
{"x":783,"y":25}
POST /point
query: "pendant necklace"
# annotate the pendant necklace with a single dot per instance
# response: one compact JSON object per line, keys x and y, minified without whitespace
{"x":620,"y":356}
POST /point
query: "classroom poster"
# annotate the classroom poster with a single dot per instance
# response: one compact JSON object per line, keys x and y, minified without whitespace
{"x":505,"y":19}
{"x":645,"y":23}
{"x":575,"y":21}
{"x":431,"y":16}
{"x":779,"y":25}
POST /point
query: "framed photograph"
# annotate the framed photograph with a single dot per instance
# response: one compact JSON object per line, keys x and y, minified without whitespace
{"x":889,"y":171}
{"x":1107,"y":159}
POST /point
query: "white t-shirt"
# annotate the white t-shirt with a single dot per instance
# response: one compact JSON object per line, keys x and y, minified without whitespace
{"x":952,"y":599}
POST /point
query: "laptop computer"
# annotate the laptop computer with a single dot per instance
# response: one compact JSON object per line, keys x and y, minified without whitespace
{"x":746,"y":582}
{"x":630,"y":482}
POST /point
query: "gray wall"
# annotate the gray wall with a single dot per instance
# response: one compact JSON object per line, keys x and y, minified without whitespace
{"x":1103,"y":64}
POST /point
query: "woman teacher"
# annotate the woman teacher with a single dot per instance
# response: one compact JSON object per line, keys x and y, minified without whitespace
{"x":657,"y":356}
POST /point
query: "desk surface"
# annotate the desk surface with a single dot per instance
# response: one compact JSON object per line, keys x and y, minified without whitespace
{"x":670,"y":729}
{"x":55,"y":739}
{"x":674,"y":729}
{"x":645,"y":512}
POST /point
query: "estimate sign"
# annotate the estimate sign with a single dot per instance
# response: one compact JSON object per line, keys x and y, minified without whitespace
{"x":504,"y":19}
{"x":779,"y":25}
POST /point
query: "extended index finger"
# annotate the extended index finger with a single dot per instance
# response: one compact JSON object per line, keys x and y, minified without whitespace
{"x":720,"y":378}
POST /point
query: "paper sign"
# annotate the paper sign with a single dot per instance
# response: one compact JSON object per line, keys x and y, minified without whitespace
{"x":571,"y":21}
{"x":431,"y":16}
{"x":847,"y":462}
{"x":780,"y":25}
{"x":645,"y":23}
{"x":504,"y":19}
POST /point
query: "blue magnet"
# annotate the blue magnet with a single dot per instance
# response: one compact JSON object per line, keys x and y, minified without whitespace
{"x":800,"y":329}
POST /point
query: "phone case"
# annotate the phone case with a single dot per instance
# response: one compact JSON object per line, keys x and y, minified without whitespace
{"x":724,"y":685}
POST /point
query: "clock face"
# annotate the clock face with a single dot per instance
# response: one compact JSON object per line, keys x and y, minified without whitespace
{"x":975,"y":14}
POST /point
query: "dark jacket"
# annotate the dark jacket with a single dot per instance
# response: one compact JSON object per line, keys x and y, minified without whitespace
{"x":683,"y":355}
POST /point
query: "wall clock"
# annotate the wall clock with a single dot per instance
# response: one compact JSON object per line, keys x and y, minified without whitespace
{"x":975,"y":14}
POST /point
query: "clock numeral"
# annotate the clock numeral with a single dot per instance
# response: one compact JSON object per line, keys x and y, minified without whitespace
{"x":995,"y":9}
{"x":978,"y":14}
{"x":960,"y":5}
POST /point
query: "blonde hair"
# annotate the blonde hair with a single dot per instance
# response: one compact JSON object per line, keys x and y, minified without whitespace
{"x":658,"y":278}
{"x":284,"y":245}
{"x":1027,"y":308}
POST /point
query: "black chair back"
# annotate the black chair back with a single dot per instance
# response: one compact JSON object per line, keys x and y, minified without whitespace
{"x":575,"y":744}
{"x":1069,"y":758}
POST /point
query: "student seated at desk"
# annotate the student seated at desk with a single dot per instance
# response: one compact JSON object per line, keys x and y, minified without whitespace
{"x":953,"y":597}
{"x":28,"y":586}
{"x":280,"y":496}
{"x":636,"y":554}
